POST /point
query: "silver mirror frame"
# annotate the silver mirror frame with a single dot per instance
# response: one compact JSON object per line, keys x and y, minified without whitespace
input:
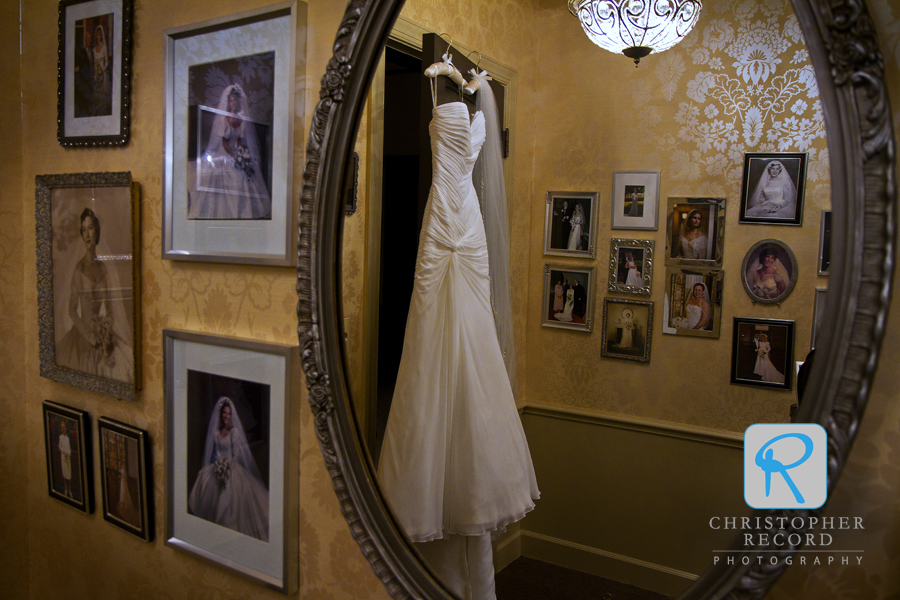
{"x":849,"y":67}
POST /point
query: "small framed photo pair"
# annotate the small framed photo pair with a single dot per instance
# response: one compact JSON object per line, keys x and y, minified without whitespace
{"x":695,"y":232}
{"x":693,"y":302}
{"x":627,"y":328}
{"x":231,"y":441}
{"x":88,"y":268}
{"x":125,"y":470}
{"x":762,"y":353}
{"x":68,"y":447}
{"x":630,"y":266}
{"x":769,"y":272}
{"x":635,"y":200}
{"x":773,"y":188}
{"x":568,"y":297}
{"x":229,"y":128}
{"x":825,"y":243}
{"x":570,"y":225}
{"x":94,"y":73}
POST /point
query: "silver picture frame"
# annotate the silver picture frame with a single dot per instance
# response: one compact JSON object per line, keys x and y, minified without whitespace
{"x":96,"y":344}
{"x":642,"y":188}
{"x":679,"y":284}
{"x":707,"y":248}
{"x":563,"y":314}
{"x":635,"y":276}
{"x":259,"y":53}
{"x":94,"y":95}
{"x":562,"y":209}
{"x":260,"y":381}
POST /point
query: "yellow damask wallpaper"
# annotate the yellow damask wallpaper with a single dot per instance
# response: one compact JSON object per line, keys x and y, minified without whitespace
{"x":49,"y":550}
{"x":740,"y":82}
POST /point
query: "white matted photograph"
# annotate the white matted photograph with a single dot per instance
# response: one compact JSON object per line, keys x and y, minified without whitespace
{"x":635,"y":200}
{"x":570,"y":227}
{"x":230,"y":461}
{"x":693,"y":302}
{"x":94,"y":70}
{"x":227,"y":190}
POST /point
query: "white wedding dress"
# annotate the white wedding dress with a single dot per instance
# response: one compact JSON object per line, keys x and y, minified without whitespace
{"x":566,"y":315}
{"x":634,"y":276}
{"x":764,"y":367}
{"x":693,"y":313}
{"x":455,"y":459}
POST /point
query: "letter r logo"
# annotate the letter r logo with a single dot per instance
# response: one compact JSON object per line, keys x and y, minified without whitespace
{"x":785,"y":465}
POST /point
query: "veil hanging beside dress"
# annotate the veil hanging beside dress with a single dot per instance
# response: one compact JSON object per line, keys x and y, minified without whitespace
{"x":230,"y":179}
{"x":489,"y":174}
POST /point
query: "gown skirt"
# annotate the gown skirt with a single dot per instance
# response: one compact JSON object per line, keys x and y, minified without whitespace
{"x":455,"y":459}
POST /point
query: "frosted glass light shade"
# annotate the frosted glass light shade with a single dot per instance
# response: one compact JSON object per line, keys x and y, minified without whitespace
{"x":636,"y":27}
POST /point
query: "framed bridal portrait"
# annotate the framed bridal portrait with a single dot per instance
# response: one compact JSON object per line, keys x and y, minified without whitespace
{"x":94,"y":68}
{"x":125,"y":469}
{"x":693,"y":302}
{"x":773,"y":188}
{"x":762,"y":352}
{"x":227,"y":190}
{"x":68,"y":450}
{"x":635,"y":200}
{"x":231,"y":411}
{"x":769,"y":272}
{"x":695,"y":232}
{"x":627,"y":328}
{"x":88,"y":272}
{"x":570,"y":226}
{"x":568,"y":297}
{"x":630,"y":266}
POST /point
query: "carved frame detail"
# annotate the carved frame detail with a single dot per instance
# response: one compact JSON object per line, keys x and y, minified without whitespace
{"x":843,"y":45}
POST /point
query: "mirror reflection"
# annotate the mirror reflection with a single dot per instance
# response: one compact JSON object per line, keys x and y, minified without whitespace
{"x":632,"y":458}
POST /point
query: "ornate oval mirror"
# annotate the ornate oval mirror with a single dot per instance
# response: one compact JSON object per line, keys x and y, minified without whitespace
{"x":842,"y":48}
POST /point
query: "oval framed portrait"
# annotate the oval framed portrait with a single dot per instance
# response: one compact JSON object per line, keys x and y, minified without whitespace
{"x":769,"y":272}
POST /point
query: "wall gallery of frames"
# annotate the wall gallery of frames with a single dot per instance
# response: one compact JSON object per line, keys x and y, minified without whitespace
{"x":155,"y":408}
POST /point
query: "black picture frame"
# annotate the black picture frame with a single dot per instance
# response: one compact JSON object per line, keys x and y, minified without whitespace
{"x":125,"y":475}
{"x":68,"y":450}
{"x":756,"y":206}
{"x":94,"y":73}
{"x":752,"y":363}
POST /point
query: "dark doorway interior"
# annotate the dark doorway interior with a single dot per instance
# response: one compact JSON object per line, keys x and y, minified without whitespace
{"x":401,"y":219}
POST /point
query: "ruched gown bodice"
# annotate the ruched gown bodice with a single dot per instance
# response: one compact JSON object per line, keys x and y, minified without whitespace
{"x":455,"y":459}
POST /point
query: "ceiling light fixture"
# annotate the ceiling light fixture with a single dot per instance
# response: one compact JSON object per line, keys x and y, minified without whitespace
{"x":636,"y":27}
